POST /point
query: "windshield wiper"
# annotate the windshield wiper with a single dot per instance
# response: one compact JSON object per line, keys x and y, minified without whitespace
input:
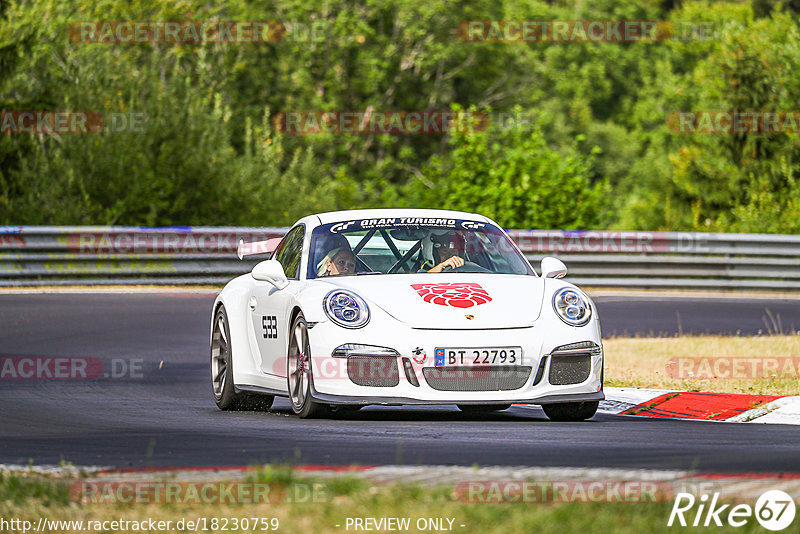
{"x":369,"y":272}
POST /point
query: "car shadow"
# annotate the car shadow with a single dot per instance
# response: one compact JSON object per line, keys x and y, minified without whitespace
{"x":437,"y":413}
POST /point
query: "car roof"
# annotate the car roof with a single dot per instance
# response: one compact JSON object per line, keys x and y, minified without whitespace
{"x":382,"y":213}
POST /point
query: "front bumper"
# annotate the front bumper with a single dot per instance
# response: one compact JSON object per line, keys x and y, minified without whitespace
{"x":400,"y":401}
{"x":332,"y":384}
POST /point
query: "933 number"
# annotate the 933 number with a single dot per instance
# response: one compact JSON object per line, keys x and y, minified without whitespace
{"x":270,"y":325}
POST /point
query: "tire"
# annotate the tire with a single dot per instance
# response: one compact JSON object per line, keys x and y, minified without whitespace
{"x":571,"y":411}
{"x":222,"y":385}
{"x":482,"y":409}
{"x":299,"y":373}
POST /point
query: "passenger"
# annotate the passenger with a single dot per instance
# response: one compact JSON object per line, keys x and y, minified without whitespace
{"x":336,"y":262}
{"x":445,"y":250}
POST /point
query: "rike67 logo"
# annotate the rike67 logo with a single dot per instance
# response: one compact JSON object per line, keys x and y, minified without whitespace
{"x":774,"y":510}
{"x":456,"y":294}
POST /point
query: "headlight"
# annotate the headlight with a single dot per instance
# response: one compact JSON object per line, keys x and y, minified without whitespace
{"x":572,"y":307}
{"x":346,"y":308}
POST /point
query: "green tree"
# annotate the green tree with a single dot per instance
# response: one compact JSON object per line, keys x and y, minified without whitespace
{"x":737,"y":181}
{"x":513,"y":177}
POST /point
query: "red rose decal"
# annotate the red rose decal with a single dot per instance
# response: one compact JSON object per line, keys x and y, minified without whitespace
{"x":457,"y":295}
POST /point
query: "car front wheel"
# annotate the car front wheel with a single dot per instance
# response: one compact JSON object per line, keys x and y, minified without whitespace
{"x":298,"y":372}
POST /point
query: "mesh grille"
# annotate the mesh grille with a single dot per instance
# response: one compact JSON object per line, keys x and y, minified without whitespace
{"x":374,"y":371}
{"x":478,"y":378}
{"x":572,"y":369}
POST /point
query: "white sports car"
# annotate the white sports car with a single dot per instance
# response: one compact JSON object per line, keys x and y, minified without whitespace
{"x":404,"y":306}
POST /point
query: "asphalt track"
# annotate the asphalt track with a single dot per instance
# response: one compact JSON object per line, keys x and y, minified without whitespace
{"x":164,"y":415}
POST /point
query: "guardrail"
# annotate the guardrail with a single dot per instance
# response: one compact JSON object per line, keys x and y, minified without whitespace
{"x":104,"y":255}
{"x":670,"y":260}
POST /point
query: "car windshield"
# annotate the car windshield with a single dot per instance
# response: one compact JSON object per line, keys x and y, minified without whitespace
{"x":400,"y":245}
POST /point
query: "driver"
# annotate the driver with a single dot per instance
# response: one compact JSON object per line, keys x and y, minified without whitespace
{"x":445,"y":249}
{"x":340,"y":260}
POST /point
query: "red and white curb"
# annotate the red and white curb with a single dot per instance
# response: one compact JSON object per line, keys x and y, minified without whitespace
{"x":705,"y":406}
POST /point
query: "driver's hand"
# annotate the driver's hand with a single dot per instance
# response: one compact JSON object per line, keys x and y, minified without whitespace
{"x":453,"y":262}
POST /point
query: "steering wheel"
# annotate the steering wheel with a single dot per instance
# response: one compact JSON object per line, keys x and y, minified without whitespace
{"x":468,"y":267}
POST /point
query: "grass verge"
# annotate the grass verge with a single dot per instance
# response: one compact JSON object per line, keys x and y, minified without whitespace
{"x":30,"y":498}
{"x":645,"y":363}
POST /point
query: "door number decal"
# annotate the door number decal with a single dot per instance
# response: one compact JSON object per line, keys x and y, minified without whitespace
{"x":270,"y":325}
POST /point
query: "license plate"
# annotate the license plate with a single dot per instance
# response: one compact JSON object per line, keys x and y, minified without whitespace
{"x":478,"y":356}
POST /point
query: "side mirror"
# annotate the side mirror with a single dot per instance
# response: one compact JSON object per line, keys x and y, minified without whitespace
{"x":553,"y":268}
{"x":270,"y":271}
{"x":257,"y":247}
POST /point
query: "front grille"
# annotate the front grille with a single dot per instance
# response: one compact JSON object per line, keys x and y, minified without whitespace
{"x":478,"y":378}
{"x":572,"y":369}
{"x":374,"y":371}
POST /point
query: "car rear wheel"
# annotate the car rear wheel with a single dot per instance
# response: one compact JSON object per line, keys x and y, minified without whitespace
{"x":477,"y":409}
{"x":222,"y":385}
{"x":570,"y":411}
{"x":298,"y":372}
